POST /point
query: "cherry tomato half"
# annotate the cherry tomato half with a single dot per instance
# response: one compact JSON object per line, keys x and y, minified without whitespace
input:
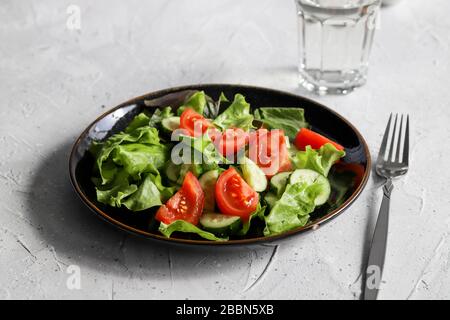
{"x":231,"y":141}
{"x":306,"y":137}
{"x":187,"y":204}
{"x":234,"y":196}
{"x":268,"y":150}
{"x":193,"y":123}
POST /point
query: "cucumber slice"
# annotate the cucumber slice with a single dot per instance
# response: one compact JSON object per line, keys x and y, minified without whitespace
{"x":271,"y":199}
{"x":172,"y":171}
{"x":208,"y":182}
{"x":253,"y":175}
{"x":170,"y":124}
{"x":196,"y":170}
{"x":220,"y":224}
{"x":288,"y":143}
{"x":279,"y":181}
{"x":323,"y":189}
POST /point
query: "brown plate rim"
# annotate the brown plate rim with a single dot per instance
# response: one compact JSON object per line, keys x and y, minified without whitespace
{"x":249,"y":241}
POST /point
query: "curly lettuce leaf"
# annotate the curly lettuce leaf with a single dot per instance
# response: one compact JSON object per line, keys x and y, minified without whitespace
{"x":196,"y":101}
{"x":150,"y":193}
{"x":138,"y":158}
{"x":320,"y":160}
{"x":183,"y":226}
{"x":104,"y":152}
{"x":291,"y":210}
{"x":290,"y":120}
{"x":115,"y":192}
{"x":127,"y":167}
{"x":237,"y":115}
{"x":158,"y":116}
{"x":139,"y":121}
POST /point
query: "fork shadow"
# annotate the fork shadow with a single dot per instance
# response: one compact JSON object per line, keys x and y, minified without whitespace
{"x":64,"y":224}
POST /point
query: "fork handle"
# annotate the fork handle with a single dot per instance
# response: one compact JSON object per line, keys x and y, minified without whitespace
{"x":377,"y":254}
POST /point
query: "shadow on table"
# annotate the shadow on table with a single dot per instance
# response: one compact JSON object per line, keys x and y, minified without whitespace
{"x":79,"y":237}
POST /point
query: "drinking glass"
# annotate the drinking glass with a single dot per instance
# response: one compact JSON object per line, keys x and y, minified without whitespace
{"x":335,"y":38}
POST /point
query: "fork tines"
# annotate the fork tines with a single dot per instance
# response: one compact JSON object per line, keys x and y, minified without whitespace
{"x":397,"y":139}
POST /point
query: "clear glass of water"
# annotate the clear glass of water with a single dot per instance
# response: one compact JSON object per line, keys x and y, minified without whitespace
{"x":335,"y":38}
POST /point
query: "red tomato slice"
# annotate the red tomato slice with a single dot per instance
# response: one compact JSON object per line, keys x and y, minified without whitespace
{"x":194,"y":123}
{"x":268,"y":150}
{"x":234,"y":196}
{"x":187,"y":204}
{"x":306,"y":137}
{"x":231,"y":141}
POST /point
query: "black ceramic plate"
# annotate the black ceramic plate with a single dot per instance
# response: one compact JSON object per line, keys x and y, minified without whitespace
{"x":355,"y":165}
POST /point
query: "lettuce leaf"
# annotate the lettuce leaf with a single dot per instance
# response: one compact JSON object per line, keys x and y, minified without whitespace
{"x":127,"y":167}
{"x":115,"y":192}
{"x":150,"y":193}
{"x":105,"y":151}
{"x":259,"y":213}
{"x":212,"y":107}
{"x":158,"y":116}
{"x":136,"y":196}
{"x":342,"y":184}
{"x":197,"y":155}
{"x":139,"y":158}
{"x":320,"y":160}
{"x":202,"y":152}
{"x":196,"y":101}
{"x":139,"y":121}
{"x":290,"y":120}
{"x":183,"y":226}
{"x":291,"y":210}
{"x":237,"y":115}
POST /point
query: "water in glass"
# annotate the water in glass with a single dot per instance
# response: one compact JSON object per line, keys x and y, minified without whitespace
{"x":335,"y":38}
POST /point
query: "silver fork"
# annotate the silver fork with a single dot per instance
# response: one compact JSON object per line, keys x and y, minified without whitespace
{"x":391,"y":163}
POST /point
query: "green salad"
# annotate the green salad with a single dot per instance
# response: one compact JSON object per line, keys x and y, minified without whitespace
{"x":217,"y":169}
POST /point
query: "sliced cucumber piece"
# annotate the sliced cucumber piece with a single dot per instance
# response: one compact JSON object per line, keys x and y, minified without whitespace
{"x":321,"y":191}
{"x":196,"y":169}
{"x":208,"y":182}
{"x":271,"y":199}
{"x":288,"y":143}
{"x":171,"y":123}
{"x":220,"y":224}
{"x":172,"y":171}
{"x":253,"y":175}
{"x":279,"y":181}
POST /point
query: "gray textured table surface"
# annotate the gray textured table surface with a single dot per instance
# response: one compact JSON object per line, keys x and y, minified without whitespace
{"x":54,"y":81}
